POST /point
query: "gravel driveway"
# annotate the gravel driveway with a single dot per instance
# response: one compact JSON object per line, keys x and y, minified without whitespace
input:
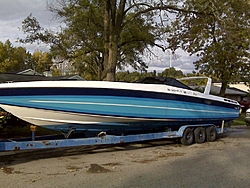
{"x":223,"y":163}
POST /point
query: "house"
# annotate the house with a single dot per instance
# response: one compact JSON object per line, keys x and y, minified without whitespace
{"x":28,"y":72}
{"x":31,"y":75}
{"x":239,"y":92}
{"x":231,"y":93}
{"x":240,"y":85}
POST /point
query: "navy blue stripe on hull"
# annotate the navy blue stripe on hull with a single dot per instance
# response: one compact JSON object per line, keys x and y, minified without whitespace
{"x":108,"y":92}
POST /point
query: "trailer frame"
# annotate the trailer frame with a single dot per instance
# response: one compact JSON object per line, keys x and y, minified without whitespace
{"x":15,"y":145}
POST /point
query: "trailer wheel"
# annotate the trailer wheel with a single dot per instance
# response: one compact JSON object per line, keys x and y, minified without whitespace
{"x":211,"y":134}
{"x":200,"y":135}
{"x":187,"y":137}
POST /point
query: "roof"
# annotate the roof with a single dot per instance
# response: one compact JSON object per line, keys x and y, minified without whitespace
{"x":242,"y":86}
{"x":26,"y":72}
{"x":8,"y":77}
{"x":29,"y":72}
{"x":229,"y":91}
{"x":72,"y":77}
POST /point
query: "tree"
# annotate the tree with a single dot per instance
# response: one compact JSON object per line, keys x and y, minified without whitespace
{"x":218,"y":32}
{"x":13,"y":58}
{"x":41,"y":61}
{"x":17,"y":58}
{"x":171,"y":72}
{"x":104,"y":35}
{"x":134,"y":76}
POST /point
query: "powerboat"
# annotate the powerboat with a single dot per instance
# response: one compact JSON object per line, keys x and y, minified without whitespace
{"x":154,"y":104}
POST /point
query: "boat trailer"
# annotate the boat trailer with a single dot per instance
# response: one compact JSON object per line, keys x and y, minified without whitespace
{"x":187,"y":134}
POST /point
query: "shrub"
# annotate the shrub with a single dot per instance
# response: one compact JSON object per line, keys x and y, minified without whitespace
{"x":8,"y":121}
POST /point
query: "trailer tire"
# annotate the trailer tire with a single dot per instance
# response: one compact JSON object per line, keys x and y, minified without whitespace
{"x":200,"y":135}
{"x":187,"y":137}
{"x":211,"y":134}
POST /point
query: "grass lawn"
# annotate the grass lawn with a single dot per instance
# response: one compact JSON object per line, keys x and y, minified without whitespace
{"x":240,"y":120}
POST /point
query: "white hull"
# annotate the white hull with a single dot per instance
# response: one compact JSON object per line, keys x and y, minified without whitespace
{"x":43,"y":117}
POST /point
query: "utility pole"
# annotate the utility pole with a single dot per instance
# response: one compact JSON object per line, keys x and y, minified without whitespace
{"x":170,"y":59}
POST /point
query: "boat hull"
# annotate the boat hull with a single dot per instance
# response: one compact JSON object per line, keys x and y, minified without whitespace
{"x":64,"y":121}
{"x":114,"y":107}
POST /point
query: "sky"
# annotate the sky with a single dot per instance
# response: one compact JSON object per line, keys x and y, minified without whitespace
{"x":13,"y":12}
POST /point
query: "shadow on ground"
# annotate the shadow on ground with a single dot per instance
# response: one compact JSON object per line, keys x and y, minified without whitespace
{"x":16,"y":157}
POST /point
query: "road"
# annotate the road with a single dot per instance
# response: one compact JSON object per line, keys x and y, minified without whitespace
{"x":223,"y":163}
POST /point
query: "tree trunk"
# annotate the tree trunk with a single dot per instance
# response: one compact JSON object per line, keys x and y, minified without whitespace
{"x":225,"y":76}
{"x":106,"y":38}
{"x":223,"y":89}
{"x":113,"y":49}
{"x":112,"y":28}
{"x":99,"y":72}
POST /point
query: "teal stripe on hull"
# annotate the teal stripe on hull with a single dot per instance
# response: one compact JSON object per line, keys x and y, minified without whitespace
{"x":124,"y":106}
